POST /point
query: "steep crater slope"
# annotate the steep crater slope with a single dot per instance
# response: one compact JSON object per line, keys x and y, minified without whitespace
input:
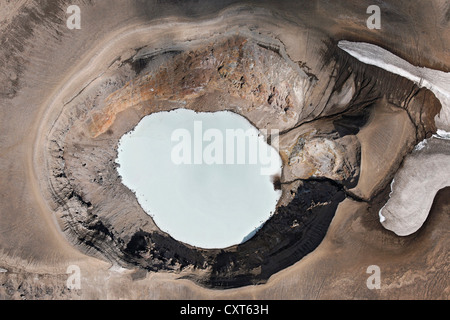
{"x":330,"y":110}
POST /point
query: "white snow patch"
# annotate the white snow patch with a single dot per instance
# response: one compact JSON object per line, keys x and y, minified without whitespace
{"x":383,"y":218}
{"x":442,"y":134}
{"x":117,"y":268}
{"x":421,"y":145}
{"x":435,"y":80}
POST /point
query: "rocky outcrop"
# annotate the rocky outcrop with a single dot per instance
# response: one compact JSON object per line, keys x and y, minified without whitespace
{"x":319,"y":150}
{"x":265,"y":87}
{"x":388,"y":132}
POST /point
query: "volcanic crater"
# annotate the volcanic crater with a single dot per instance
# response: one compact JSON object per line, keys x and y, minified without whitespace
{"x":331,"y":111}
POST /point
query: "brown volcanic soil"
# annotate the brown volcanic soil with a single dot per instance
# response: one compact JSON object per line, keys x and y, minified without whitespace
{"x":58,"y":146}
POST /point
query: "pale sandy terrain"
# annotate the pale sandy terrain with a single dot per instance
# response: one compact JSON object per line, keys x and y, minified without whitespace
{"x":48,"y":75}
